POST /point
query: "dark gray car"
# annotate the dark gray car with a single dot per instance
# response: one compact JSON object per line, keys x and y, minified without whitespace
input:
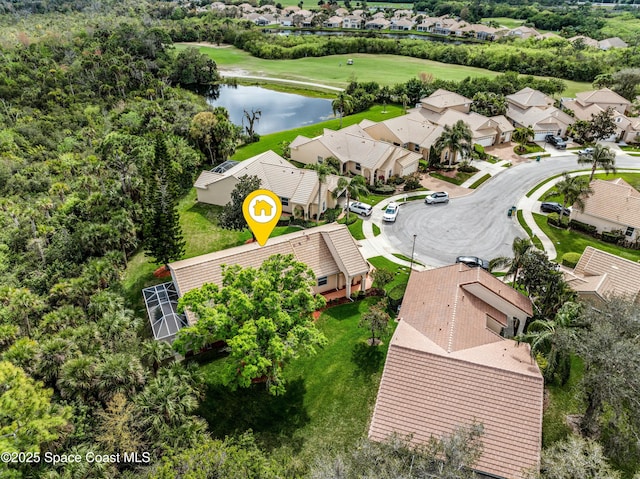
{"x":473,"y":261}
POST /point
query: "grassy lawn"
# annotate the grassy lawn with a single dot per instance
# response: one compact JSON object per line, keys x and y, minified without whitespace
{"x":274,"y":141}
{"x":457,"y":180}
{"x":376,"y":229}
{"x":401,"y":272}
{"x":563,"y":400}
{"x":406,"y":258}
{"x":479,"y":181}
{"x":630,"y":148}
{"x":355,"y":229}
{"x":536,"y":241}
{"x":329,"y":399}
{"x":373,"y":199}
{"x":567,"y":241}
{"x":331,"y":70}
{"x":528,"y":148}
{"x":504,"y":21}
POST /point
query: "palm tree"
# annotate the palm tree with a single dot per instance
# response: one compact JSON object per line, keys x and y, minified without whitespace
{"x":543,"y":336}
{"x":522,"y":136}
{"x":573,"y":189}
{"x":322,"y":170}
{"x":601,"y":157}
{"x":343,"y":103}
{"x":456,"y":139}
{"x":520,"y":246}
{"x":354,"y":188}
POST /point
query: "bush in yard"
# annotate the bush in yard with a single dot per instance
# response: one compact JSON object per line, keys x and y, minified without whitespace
{"x":580,"y":226}
{"x":423,"y":166}
{"x":612,"y":236}
{"x":411,"y":182}
{"x":396,"y":294}
{"x":383,"y":189}
{"x":332,"y":214}
{"x":465,"y":167}
{"x":395,"y":180}
{"x":554,"y":220}
{"x":570,"y":260}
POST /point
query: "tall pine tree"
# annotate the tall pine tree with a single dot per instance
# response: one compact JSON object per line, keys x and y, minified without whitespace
{"x":162,"y":232}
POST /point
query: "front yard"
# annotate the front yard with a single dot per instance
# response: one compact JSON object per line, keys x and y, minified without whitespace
{"x":329,"y":399}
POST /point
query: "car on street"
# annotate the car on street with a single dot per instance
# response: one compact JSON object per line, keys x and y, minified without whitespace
{"x":586,"y":151}
{"x":551,"y":207}
{"x":437,"y":197}
{"x":391,"y":213}
{"x":360,"y":208}
{"x":473,"y":262}
{"x":556,"y":141}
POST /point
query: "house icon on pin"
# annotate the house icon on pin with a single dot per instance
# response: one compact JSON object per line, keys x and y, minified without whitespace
{"x":262,"y":208}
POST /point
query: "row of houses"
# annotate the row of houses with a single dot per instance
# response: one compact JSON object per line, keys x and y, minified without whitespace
{"x":401,"y":20}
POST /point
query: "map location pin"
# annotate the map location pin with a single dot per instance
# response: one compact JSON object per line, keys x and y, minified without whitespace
{"x":262,"y":210}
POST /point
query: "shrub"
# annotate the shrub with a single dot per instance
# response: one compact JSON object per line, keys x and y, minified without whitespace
{"x":352,"y":219}
{"x":554,"y":220}
{"x":332,"y":214}
{"x":395,"y":180}
{"x":396,"y":294}
{"x":383,"y":189}
{"x":570,"y":260}
{"x":411,"y":182}
{"x":580,"y":226}
{"x":612,"y":236}
{"x":465,"y":167}
{"x":479,"y":149}
{"x":423,"y":166}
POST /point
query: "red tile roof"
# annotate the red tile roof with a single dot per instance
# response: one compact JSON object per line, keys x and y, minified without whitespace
{"x":445,"y":368}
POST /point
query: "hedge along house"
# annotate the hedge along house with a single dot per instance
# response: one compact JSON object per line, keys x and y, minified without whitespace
{"x":296,"y":187}
{"x":357,"y":153}
{"x":613,"y":206}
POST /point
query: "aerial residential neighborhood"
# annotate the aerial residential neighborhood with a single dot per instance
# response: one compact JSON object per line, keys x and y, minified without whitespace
{"x":273,"y":240}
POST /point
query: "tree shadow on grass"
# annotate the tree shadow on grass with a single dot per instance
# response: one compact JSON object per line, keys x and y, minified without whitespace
{"x":369,"y":360}
{"x":273,"y":419}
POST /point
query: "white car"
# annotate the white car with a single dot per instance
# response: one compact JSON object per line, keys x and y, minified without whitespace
{"x":360,"y":208}
{"x":391,"y":213}
{"x":586,"y":151}
{"x":437,"y":197}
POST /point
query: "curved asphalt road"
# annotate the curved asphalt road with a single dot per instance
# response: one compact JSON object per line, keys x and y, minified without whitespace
{"x":476,"y":224}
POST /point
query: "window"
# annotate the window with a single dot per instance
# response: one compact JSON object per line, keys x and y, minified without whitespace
{"x":322,"y":280}
{"x":416,"y":148}
{"x":284,"y":201}
{"x":618,"y":120}
{"x":320,"y":159}
{"x":629,"y":231}
{"x":358,"y":167}
{"x":494,"y":325}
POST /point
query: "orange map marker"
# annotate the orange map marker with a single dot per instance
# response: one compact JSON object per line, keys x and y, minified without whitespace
{"x":262,"y":210}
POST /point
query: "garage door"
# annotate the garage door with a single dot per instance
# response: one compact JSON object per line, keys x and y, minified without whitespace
{"x":486,"y":141}
{"x":541,"y":136}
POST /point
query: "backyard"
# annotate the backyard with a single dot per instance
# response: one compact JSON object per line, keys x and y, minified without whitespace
{"x":329,"y":398}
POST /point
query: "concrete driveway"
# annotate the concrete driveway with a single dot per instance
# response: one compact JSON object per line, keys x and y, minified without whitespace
{"x":476,"y":224}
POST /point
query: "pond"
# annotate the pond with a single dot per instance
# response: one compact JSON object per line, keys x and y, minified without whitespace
{"x":280,"y":111}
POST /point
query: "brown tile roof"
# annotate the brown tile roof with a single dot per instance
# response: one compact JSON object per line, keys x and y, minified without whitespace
{"x":615,"y":201}
{"x":308,"y":246}
{"x":442,"y":98}
{"x":604,"y":95}
{"x":444,"y":369}
{"x":605,"y":274}
{"x":528,"y":97}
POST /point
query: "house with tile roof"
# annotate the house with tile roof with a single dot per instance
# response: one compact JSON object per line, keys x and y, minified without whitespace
{"x":441,"y":100}
{"x":523,"y":32}
{"x":613,"y":42}
{"x":377,"y":24}
{"x":613,"y":206}
{"x":352,"y":21}
{"x":357,"y":152}
{"x":588,"y":41}
{"x":600,"y":275}
{"x":333,"y":22}
{"x":449,"y":364}
{"x":604,"y":98}
{"x":532,"y":108}
{"x":329,"y":250}
{"x":296,"y":187}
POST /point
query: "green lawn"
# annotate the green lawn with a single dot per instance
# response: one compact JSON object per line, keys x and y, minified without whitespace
{"x":460,"y":177}
{"x":274,"y":141}
{"x":332,"y":70}
{"x":528,"y":148}
{"x":355,"y":229}
{"x":401,"y":272}
{"x":406,"y":258}
{"x":536,"y":241}
{"x":563,"y":401}
{"x":567,"y":241}
{"x":504,"y":21}
{"x":376,"y":229}
{"x":625,"y":26}
{"x":329,"y":399}
{"x":479,"y":181}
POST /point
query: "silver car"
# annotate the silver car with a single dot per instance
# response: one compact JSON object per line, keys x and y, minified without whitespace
{"x":437,"y":197}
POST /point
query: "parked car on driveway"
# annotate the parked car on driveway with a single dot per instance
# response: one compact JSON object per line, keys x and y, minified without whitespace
{"x":556,"y":141}
{"x":391,"y":213}
{"x":473,"y":262}
{"x":360,"y":208}
{"x":437,"y":197}
{"x":551,"y":207}
{"x":586,"y":151}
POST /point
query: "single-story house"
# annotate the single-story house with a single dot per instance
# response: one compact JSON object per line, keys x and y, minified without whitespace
{"x":587,"y":41}
{"x":523,"y":32}
{"x":613,"y":205}
{"x":377,"y":24}
{"x":450,"y":363}
{"x":357,"y":152}
{"x":441,"y":100}
{"x":613,"y":42}
{"x":296,"y":187}
{"x":330,"y":251}
{"x":333,"y":22}
{"x":527,"y":98}
{"x":599,"y":275}
{"x":604,"y":98}
{"x":403,"y":24}
{"x":543,"y":121}
{"x":412,"y":132}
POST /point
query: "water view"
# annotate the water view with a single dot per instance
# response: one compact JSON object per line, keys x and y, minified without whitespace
{"x":280,"y":111}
